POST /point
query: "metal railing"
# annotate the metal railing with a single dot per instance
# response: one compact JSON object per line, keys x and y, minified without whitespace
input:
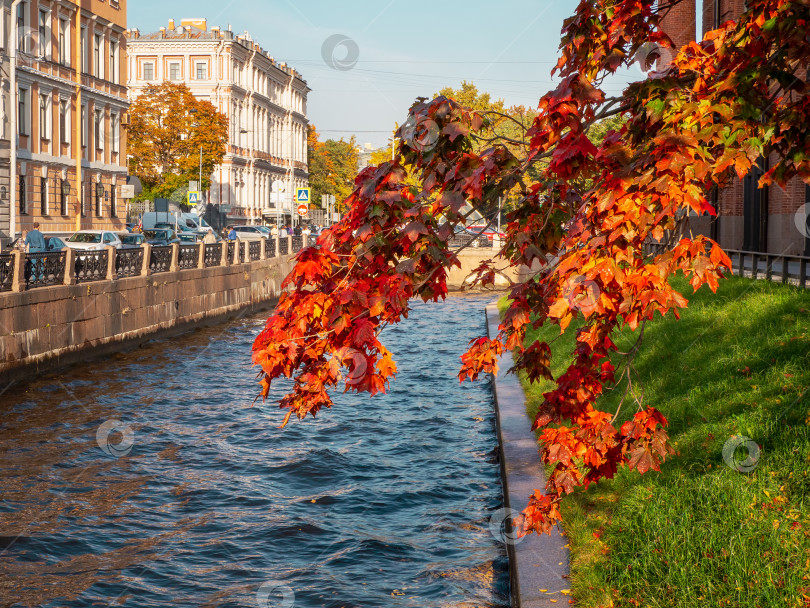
{"x":6,"y":272}
{"x":755,"y":265}
{"x":128,"y":262}
{"x":297,"y":243}
{"x":51,"y":268}
{"x":188,"y":256}
{"x":464,"y":240}
{"x":213,"y":254}
{"x":160,"y":259}
{"x":90,"y":266}
{"x":44,"y":269}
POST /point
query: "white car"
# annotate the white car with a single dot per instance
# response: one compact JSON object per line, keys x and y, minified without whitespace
{"x":252,"y":233}
{"x":93,"y":240}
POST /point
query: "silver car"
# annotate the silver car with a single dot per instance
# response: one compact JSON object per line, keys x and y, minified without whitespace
{"x":93,"y":240}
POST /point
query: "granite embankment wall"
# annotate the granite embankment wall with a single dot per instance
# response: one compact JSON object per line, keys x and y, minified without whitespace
{"x":48,"y":327}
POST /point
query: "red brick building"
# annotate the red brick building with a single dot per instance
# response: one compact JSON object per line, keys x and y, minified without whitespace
{"x":751,"y":219}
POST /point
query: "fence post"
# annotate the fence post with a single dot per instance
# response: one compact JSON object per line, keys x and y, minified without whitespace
{"x":201,"y":258}
{"x":236,"y":252}
{"x":289,"y":245}
{"x":70,"y":267}
{"x":278,"y":249}
{"x":112,"y":252}
{"x":146,"y":269}
{"x":224,"y":257}
{"x":263,"y":249}
{"x":803,"y":272}
{"x":246,"y":252}
{"x":785,"y":269}
{"x":175,"y":265}
{"x":18,"y":263}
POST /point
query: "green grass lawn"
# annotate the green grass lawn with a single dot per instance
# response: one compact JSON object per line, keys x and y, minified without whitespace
{"x":700,"y":533}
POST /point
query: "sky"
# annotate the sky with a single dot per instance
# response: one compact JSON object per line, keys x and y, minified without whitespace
{"x":366,"y":62}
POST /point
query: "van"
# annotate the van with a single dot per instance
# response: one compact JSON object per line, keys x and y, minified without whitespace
{"x":183,"y":222}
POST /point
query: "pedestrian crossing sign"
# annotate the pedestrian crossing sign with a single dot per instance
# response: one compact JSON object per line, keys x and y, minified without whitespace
{"x":193,"y":198}
{"x":302,"y":195}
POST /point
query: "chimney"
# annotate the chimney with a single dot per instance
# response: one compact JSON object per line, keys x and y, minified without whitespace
{"x":163,"y":32}
{"x":215,"y":31}
{"x":171,"y":24}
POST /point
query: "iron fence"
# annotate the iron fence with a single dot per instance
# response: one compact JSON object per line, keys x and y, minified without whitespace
{"x":213,"y":254}
{"x":129,"y":262}
{"x":769,"y":266}
{"x":468,"y":240}
{"x":90,"y":266}
{"x":188,"y":257}
{"x":270,"y":248}
{"x":44,"y":269}
{"x":232,"y":251}
{"x":160,"y":260}
{"x":6,"y":271}
{"x":297,"y":243}
{"x":283,"y":245}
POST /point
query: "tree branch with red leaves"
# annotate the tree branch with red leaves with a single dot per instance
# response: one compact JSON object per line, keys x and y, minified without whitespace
{"x":719,"y":106}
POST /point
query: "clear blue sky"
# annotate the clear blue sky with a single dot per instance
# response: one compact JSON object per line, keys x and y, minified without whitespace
{"x":406,"y":50}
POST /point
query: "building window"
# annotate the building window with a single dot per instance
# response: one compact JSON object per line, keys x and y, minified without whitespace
{"x":98,"y":133}
{"x":115,"y":133}
{"x":85,"y":51}
{"x":113,"y":210}
{"x":174,"y":71}
{"x":99,"y":198}
{"x":64,"y":46}
{"x":21,"y":195}
{"x":22,"y":112}
{"x":148,"y":71}
{"x":114,"y":61}
{"x":22,"y":39}
{"x":63,"y":190}
{"x":64,"y":129}
{"x":84,"y":126}
{"x":202,"y":71}
{"x":43,"y":33}
{"x":44,"y":117}
{"x":43,"y":196}
{"x":98,"y":66}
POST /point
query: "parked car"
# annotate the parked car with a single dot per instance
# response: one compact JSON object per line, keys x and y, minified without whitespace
{"x":132,"y":241}
{"x":252,"y":233}
{"x":54,"y":243}
{"x":160,"y":237}
{"x":484,"y":230}
{"x":93,"y":240}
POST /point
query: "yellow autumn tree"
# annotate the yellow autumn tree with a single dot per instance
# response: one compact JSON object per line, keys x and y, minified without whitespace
{"x":168,"y":128}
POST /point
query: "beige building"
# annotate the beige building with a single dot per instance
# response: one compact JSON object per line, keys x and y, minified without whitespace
{"x":265,"y":102}
{"x":71,"y":103}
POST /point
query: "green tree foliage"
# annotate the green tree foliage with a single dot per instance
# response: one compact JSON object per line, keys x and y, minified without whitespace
{"x":168,"y":128}
{"x":332,"y":167}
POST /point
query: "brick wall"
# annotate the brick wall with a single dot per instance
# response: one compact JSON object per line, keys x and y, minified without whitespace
{"x":679,"y":23}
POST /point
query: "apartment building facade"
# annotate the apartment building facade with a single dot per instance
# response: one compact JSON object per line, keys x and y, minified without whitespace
{"x":71,"y":105}
{"x":265,"y":102}
{"x":767,"y":220}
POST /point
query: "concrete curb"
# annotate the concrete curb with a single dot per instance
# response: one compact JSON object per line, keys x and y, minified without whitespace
{"x":537,"y":564}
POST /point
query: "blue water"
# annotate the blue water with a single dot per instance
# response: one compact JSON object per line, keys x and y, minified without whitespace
{"x":381,"y":501}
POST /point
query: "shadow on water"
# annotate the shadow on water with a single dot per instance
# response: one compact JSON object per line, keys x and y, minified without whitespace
{"x":147,"y":479}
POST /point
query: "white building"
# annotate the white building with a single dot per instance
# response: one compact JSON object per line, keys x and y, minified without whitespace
{"x":265,"y":102}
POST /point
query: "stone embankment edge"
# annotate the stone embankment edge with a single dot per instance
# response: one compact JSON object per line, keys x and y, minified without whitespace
{"x":538,"y":564}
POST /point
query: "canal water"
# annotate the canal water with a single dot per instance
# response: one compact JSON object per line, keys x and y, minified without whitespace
{"x":148,"y":479}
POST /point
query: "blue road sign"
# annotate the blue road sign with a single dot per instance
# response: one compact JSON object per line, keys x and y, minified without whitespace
{"x":302,"y":195}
